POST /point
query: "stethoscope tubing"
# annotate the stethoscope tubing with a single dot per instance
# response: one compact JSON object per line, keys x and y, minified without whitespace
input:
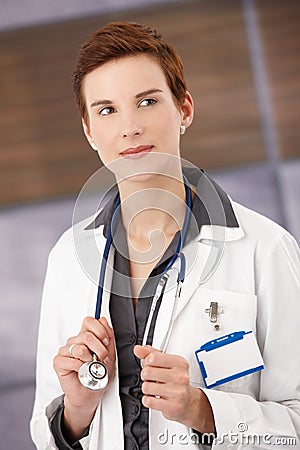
{"x":104,"y":264}
{"x":164,"y":276}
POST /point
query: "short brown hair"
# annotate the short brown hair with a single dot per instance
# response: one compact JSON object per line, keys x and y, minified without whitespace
{"x":118,"y":40}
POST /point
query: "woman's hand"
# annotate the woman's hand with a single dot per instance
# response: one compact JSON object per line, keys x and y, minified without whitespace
{"x":95,"y":336}
{"x":166,"y":387}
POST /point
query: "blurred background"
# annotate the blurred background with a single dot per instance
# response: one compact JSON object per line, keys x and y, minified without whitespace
{"x":242,"y":66}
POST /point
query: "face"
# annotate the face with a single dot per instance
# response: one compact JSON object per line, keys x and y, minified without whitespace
{"x":133,"y":119}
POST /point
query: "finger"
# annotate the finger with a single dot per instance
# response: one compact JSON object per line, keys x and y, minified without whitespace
{"x":161,"y":390}
{"x":89,"y":340}
{"x":63,"y":366}
{"x":160,"y":374}
{"x":159,"y":404}
{"x":164,"y":360}
{"x":79,"y":351}
{"x":166,"y":390}
{"x":96,"y":327}
{"x":174,"y":376}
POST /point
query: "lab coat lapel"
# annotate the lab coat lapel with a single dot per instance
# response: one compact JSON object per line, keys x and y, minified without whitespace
{"x":200,"y":266}
{"x":203,"y":256}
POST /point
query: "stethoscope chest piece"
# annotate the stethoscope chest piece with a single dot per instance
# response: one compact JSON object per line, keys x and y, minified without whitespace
{"x":93,"y":375}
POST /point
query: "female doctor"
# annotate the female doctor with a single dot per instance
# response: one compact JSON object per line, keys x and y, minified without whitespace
{"x":171,"y":264}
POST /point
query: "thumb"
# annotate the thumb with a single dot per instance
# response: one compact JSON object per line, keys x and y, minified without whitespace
{"x":142,"y":352}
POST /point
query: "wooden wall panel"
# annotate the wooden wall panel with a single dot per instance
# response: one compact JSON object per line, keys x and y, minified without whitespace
{"x":213,"y":45}
{"x":280,"y":32}
{"x":43,"y":152}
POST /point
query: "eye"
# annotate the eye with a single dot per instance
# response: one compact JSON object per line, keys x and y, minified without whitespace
{"x":148,"y":102}
{"x":106,"y":111}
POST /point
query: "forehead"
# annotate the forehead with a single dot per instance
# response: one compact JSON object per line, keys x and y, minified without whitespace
{"x":130,"y":74}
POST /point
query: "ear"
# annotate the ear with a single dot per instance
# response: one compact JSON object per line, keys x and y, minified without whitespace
{"x":187,"y":110}
{"x":87,"y":133}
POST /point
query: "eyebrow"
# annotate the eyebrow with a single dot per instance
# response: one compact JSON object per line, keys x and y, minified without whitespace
{"x":101,"y":102}
{"x":137,"y":96}
{"x":148,"y":92}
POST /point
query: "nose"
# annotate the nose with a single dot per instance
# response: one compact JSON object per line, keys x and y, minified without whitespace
{"x":131,"y":128}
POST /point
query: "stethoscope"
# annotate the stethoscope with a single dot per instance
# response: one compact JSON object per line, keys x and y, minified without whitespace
{"x":94,"y":375}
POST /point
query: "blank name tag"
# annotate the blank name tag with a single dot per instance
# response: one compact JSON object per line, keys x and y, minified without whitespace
{"x":228,"y":357}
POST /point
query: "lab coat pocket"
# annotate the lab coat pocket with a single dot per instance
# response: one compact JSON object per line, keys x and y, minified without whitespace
{"x":236,"y":312}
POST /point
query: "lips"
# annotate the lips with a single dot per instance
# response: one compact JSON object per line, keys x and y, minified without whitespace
{"x":137,"y":152}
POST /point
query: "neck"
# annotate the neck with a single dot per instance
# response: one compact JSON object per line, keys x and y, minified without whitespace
{"x":154,"y":204}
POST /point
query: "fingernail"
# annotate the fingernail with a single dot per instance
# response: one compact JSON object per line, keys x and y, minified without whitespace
{"x":105,"y":342}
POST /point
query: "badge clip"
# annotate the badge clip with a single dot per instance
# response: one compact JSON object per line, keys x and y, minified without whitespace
{"x":213,"y":311}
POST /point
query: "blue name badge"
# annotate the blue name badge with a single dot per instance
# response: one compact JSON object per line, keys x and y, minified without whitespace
{"x":228,"y":357}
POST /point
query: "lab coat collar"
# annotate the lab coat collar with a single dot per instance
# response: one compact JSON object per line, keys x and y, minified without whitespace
{"x":222,"y":233}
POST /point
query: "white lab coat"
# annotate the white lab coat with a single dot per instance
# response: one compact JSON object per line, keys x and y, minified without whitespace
{"x":257,"y":285}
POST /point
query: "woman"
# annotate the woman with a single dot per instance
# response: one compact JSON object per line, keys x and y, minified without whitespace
{"x":241,"y":273}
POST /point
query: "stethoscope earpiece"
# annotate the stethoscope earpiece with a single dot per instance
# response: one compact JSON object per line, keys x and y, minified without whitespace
{"x":93,"y":375}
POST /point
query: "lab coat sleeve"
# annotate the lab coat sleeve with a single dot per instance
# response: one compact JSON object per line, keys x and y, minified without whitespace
{"x":49,"y":394}
{"x":275,"y":413}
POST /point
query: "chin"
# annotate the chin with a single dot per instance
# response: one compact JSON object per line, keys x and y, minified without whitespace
{"x":146,"y":169}
{"x":143,"y":177}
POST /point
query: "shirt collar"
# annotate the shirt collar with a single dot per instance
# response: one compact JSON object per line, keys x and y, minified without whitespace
{"x":211,"y":205}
